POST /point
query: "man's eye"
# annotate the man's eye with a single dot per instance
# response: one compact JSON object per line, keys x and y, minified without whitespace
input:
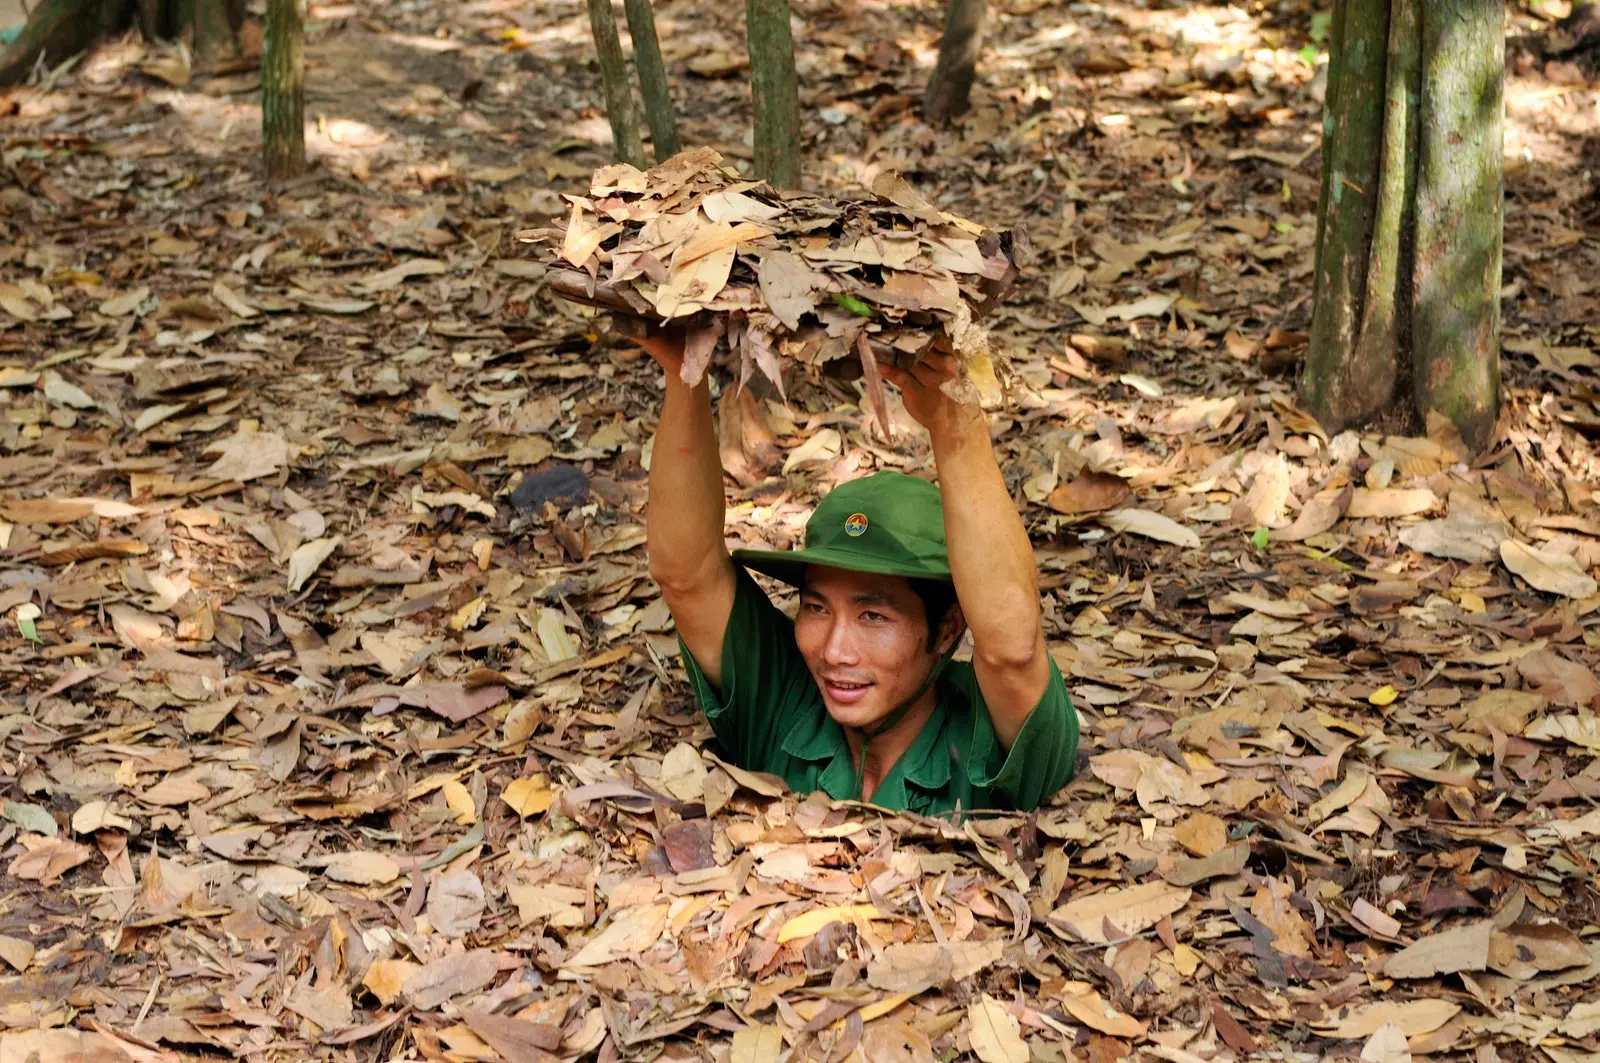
{"x":876,"y":618}
{"x":814,"y":608}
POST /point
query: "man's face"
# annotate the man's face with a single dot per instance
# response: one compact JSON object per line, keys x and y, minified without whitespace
{"x":865,"y":639}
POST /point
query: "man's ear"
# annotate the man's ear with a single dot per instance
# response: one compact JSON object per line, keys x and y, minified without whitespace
{"x":951,"y":628}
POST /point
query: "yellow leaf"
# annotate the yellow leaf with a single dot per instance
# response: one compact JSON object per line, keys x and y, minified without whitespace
{"x":1384,"y":695}
{"x":882,"y":1007}
{"x":460,"y":802}
{"x":810,"y":922}
{"x":428,"y":784}
{"x":1091,"y":1009}
{"x":529,"y":796}
{"x":1186,"y":960}
{"x":385,"y":977}
{"x":1471,"y":602}
{"x":995,"y":1036}
{"x":757,"y":1044}
{"x":468,"y":614}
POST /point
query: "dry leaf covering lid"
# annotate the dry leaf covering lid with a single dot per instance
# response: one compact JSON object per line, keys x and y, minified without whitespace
{"x":773,"y":275}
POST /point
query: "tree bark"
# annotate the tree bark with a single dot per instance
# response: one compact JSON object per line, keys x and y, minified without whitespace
{"x":283,"y":131}
{"x":55,"y":30}
{"x":664,"y":140}
{"x":774,"y":91}
{"x":1409,"y":239}
{"x":950,"y":87}
{"x":1386,"y":314}
{"x":1460,"y":196}
{"x":626,"y":144}
{"x":208,"y":22}
{"x":59,"y":29}
{"x":1336,"y":390}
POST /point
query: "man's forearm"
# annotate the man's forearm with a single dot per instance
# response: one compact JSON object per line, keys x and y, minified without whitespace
{"x":992,"y":563}
{"x":685,"y":520}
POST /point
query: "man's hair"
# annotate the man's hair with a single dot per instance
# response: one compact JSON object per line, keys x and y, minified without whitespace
{"x":938,"y":596}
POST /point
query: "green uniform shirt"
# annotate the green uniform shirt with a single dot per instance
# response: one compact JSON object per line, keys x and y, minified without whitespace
{"x":769,"y":716}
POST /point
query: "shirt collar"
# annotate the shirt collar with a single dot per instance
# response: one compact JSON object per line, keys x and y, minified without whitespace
{"x":925,"y":764}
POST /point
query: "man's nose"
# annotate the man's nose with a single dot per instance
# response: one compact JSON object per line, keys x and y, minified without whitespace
{"x":840,"y":648}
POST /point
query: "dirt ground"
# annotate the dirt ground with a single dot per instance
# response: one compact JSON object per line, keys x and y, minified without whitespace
{"x":340,"y":719}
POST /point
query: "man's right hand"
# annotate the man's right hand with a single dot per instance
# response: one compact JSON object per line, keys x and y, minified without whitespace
{"x":664,"y":344}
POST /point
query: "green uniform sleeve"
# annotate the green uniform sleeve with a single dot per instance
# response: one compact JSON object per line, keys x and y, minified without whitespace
{"x":763,"y":678}
{"x":1041,"y":760}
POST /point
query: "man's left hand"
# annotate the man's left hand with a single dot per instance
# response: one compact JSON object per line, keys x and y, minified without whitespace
{"x":922,"y":392}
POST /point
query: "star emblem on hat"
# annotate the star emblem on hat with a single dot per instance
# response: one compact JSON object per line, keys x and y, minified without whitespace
{"x":855,"y":525}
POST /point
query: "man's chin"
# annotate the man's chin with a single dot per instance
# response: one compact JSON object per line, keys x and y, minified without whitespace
{"x":853,"y":712}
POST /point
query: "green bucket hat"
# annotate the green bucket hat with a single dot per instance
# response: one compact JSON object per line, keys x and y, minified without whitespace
{"x":889,"y":524}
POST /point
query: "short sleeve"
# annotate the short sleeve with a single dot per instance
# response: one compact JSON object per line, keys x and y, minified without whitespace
{"x":1044,"y":756}
{"x":763,"y":678}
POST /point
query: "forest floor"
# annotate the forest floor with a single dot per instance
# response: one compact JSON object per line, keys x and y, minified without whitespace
{"x":323,"y":737}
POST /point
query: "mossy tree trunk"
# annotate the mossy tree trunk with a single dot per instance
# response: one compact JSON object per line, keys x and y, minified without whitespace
{"x":774,"y":91}
{"x":1460,"y":215}
{"x":652,"y":79}
{"x":56,"y":30}
{"x":1409,"y":235}
{"x":624,"y":120}
{"x":283,"y":130}
{"x":950,"y":87}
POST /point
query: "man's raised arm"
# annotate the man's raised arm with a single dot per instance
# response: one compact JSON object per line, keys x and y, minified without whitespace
{"x":688,"y":555}
{"x":991,"y":559}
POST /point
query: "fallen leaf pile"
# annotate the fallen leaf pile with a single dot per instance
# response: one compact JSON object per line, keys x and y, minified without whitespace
{"x":340,"y":719}
{"x":792,"y":276}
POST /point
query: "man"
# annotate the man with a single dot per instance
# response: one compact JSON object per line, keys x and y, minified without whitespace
{"x":858,"y":696}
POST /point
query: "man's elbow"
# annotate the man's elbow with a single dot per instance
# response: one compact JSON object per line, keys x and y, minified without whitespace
{"x":1012,"y":655}
{"x":678,"y":580}
{"x":674,"y":580}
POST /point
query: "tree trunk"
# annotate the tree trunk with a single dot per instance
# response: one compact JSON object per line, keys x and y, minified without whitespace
{"x":59,"y":29}
{"x":664,"y":140}
{"x":55,"y":30}
{"x":283,"y":131}
{"x":774,"y":91}
{"x":1351,"y":147}
{"x":1460,"y":196}
{"x":207,"y":21}
{"x":1409,"y":233}
{"x":950,"y":86}
{"x":619,"y":94}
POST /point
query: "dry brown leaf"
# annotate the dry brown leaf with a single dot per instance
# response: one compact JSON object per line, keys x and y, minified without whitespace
{"x":1151,"y":526}
{"x":1548,"y":571}
{"x":631,"y":931}
{"x":1413,"y":1017}
{"x":1464,"y":948}
{"x":1128,"y":911}
{"x":1202,"y":834}
{"x":1390,"y":502}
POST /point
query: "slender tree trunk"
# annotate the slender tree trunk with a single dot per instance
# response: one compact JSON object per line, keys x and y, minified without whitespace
{"x":619,"y":94}
{"x":1386,"y":316}
{"x":652,"y":79}
{"x":283,"y":131}
{"x":775,"y":92}
{"x":950,"y":86}
{"x":1336,"y":389}
{"x":1460,"y":196}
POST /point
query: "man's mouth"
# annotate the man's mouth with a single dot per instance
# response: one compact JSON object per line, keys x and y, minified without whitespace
{"x":844,"y":692}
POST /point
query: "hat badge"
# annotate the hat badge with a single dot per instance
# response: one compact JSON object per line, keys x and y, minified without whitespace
{"x":855,"y":525}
